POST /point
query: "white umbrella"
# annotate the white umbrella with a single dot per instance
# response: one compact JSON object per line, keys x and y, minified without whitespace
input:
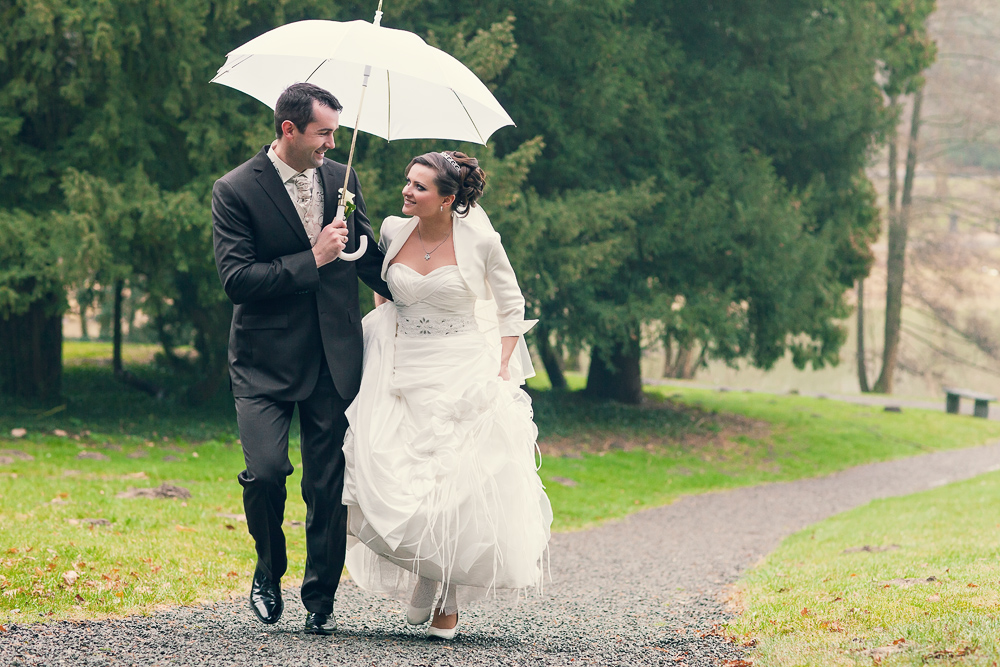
{"x":413,"y":90}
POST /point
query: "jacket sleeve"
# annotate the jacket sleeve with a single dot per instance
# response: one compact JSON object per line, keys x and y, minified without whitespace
{"x":506,"y":293}
{"x":244,"y":278}
{"x":369,"y":265}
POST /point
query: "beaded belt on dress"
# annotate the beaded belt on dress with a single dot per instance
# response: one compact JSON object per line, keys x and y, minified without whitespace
{"x":436,"y":326}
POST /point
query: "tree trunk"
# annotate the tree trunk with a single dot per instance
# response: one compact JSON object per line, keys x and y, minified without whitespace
{"x":616,"y":374}
{"x":862,"y":366}
{"x":117,"y":367}
{"x":896,"y":264}
{"x":31,"y":351}
{"x":116,"y":328}
{"x":684,"y":364}
{"x":551,"y":359}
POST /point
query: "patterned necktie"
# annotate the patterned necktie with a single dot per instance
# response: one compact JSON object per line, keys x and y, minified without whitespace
{"x":304,"y":195}
{"x":303,"y":190}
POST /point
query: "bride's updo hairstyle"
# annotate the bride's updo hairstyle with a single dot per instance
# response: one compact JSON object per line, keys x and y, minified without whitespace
{"x":455,"y":174}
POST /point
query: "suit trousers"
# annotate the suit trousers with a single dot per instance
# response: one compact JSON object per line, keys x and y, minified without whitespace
{"x":263,"y":425}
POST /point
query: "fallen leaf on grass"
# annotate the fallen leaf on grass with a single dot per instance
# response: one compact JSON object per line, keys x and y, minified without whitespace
{"x":230,"y":526}
{"x":832,"y":626}
{"x":933,"y":598}
{"x":18,"y":432}
{"x":805,"y":611}
{"x":232,"y":574}
{"x":70,"y":577}
{"x":3,"y":628}
{"x":59,"y":433}
{"x":186,"y":529}
{"x":79,"y":598}
{"x":565,"y":481}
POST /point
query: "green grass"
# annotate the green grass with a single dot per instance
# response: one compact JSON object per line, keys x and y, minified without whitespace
{"x":818,"y":600}
{"x":171,"y":551}
{"x":95,"y":401}
{"x":82,"y":353}
{"x":153,"y":551}
{"x":807,"y":437}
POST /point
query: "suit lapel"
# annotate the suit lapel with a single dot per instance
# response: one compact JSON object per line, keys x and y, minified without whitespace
{"x":268,"y":179}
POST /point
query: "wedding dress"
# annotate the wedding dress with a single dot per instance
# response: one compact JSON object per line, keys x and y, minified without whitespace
{"x":441,"y":479}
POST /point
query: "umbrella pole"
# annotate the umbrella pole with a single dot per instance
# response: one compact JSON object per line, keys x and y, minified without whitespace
{"x":342,"y":204}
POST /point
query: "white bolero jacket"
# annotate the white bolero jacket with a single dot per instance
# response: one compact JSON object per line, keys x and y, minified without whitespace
{"x":485,"y":268}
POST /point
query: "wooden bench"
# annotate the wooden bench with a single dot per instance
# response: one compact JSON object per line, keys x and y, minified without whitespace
{"x":982,"y":408}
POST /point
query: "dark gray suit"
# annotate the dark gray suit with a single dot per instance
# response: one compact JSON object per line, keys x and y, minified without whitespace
{"x":295,"y":340}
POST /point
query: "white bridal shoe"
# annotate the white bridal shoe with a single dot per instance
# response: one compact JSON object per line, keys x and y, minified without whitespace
{"x":417,"y":615}
{"x":442,"y":633}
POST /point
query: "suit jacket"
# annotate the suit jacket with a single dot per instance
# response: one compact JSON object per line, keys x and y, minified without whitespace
{"x":288,"y":313}
{"x":481,"y":260}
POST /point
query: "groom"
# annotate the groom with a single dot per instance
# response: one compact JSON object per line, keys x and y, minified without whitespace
{"x":295,"y":338}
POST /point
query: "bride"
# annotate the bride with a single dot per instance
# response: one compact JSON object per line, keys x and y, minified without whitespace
{"x":444,"y":502}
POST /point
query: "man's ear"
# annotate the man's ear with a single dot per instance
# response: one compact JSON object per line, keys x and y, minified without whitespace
{"x":288,"y":129}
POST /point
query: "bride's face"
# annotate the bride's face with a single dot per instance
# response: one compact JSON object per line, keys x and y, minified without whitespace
{"x":420,"y":194}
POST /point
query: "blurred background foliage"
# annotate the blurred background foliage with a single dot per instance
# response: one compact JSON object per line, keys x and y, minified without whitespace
{"x":684,"y":172}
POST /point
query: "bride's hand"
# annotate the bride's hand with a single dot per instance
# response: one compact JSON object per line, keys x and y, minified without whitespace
{"x":504,"y":373}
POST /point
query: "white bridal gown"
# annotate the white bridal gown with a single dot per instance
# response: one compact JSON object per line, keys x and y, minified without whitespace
{"x":441,"y":478}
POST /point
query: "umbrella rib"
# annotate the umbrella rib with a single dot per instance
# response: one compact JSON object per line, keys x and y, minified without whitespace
{"x":316,"y":70}
{"x":457,"y":97}
{"x":231,"y":67}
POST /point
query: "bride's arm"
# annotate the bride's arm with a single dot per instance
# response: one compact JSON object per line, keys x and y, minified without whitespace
{"x":379,"y":299}
{"x":507,"y":345}
{"x":510,"y":304}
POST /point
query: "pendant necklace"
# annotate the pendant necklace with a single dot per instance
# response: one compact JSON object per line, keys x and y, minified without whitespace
{"x":427,"y":255}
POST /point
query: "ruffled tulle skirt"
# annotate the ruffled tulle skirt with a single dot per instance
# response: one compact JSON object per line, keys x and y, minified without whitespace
{"x":441,"y":479}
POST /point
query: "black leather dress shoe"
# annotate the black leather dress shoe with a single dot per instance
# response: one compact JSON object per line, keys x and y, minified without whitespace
{"x":265,"y":599}
{"x":320,"y":624}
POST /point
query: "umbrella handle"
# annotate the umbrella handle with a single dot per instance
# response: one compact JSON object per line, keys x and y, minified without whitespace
{"x":362,"y":242}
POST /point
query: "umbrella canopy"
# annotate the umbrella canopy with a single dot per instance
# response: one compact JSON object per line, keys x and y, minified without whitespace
{"x":415,"y":91}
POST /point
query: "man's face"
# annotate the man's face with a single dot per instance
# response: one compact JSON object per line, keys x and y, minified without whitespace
{"x":306,"y":149}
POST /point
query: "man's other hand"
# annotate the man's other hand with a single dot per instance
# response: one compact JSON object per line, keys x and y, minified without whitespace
{"x":331,"y":242}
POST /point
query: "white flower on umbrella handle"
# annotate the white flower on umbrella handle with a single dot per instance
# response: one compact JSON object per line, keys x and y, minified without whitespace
{"x":362,"y":242}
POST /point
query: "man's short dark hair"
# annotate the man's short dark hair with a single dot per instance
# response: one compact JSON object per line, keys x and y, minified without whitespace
{"x":296,"y":105}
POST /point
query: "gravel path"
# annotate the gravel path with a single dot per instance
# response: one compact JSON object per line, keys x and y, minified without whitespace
{"x":643,"y":591}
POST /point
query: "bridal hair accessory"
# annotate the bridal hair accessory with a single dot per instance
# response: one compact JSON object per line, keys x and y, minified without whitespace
{"x":452,"y":160}
{"x":427,"y":255}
